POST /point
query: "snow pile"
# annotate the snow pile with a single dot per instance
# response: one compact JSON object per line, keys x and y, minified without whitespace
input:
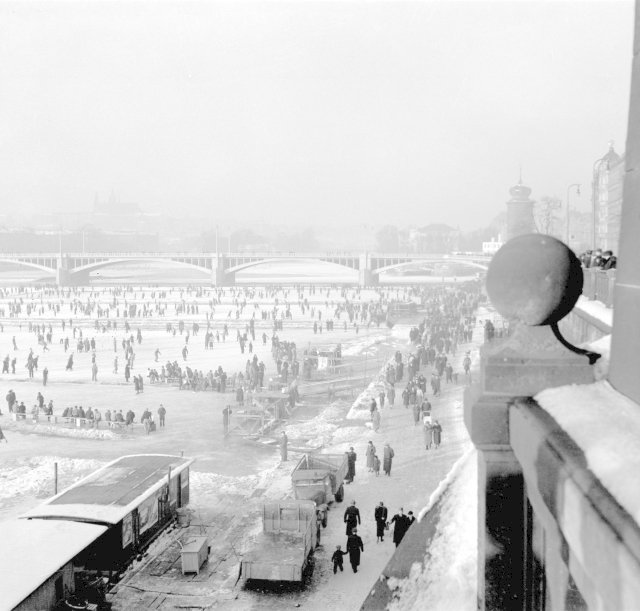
{"x":60,"y":431}
{"x":596,"y":309}
{"x":347,"y":434}
{"x":318,"y":431}
{"x":606,"y":426}
{"x":449,"y":575}
{"x":401,"y":332}
{"x":216,"y":484}
{"x":358,"y":348}
{"x":36,"y":476}
{"x":360,"y":410}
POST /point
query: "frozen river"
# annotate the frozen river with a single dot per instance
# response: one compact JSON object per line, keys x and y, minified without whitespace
{"x":232,"y":476}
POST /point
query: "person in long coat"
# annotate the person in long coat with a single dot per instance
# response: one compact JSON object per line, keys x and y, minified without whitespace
{"x":436,"y":434}
{"x":351,"y":465}
{"x":371,"y":452}
{"x":376,"y":420}
{"x":417,"y":410}
{"x":380,"y":514}
{"x":428,"y":434}
{"x":401,"y":525}
{"x":351,"y":517}
{"x":387,"y":459}
{"x":354,"y":547}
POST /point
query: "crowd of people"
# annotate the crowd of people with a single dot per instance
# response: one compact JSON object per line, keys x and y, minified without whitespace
{"x":79,"y":326}
{"x":599,"y":259}
{"x":448,"y":325}
{"x":90,"y":417}
{"x":399,"y":523}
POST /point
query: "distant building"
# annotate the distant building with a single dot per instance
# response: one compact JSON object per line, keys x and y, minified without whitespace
{"x":435,"y":238}
{"x":608,"y":178}
{"x":492,"y":247}
{"x":520,"y":212}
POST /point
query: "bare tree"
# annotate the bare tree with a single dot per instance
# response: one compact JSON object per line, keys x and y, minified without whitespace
{"x":545,"y":215}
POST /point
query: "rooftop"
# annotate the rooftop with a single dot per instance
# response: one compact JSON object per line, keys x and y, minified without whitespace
{"x":110,"y":493}
{"x":47,"y":545}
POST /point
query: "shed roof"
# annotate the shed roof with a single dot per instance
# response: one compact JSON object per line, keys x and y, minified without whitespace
{"x":110,"y":493}
{"x":33,"y":550}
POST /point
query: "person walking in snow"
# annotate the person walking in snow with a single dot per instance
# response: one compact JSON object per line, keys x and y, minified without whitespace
{"x":351,"y":518}
{"x":387,"y":458}
{"x":354,"y":547}
{"x":401,"y":524}
{"x":417,"y":410}
{"x":436,"y":434}
{"x":337,"y":559}
{"x":351,"y":465}
{"x":370,"y":453}
{"x":376,"y":420}
{"x":380,"y":515}
{"x":428,"y":434}
{"x":376,"y":465}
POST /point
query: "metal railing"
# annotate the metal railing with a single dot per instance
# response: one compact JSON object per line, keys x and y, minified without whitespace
{"x":599,"y":284}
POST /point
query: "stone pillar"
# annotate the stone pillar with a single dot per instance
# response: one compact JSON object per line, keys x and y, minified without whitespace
{"x":219,"y":275}
{"x":529,"y":361}
{"x":63,"y":275}
{"x":365,"y":275}
{"x":623,"y":370}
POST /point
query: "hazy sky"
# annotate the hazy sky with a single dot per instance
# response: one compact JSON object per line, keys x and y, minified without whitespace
{"x":362,"y":112}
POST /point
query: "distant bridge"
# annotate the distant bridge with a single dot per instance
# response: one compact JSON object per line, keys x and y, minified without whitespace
{"x":71,"y":269}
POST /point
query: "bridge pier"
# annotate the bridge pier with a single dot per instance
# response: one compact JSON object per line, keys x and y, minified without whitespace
{"x":63,"y":274}
{"x":66,"y":277}
{"x":366,"y":276}
{"x":219,"y":275}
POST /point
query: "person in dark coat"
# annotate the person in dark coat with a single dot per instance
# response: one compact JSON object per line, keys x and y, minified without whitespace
{"x":351,"y":465}
{"x":354,"y":547}
{"x":351,"y":517}
{"x":337,"y":559}
{"x":162,"y":412}
{"x":380,"y":515}
{"x":401,"y":525}
{"x":436,"y":433}
{"x":387,"y":458}
{"x":284,"y":443}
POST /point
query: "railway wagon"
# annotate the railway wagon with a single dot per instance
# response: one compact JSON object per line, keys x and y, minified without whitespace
{"x":135,"y":497}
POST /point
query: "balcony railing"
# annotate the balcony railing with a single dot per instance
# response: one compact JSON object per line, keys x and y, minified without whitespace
{"x":598,"y":285}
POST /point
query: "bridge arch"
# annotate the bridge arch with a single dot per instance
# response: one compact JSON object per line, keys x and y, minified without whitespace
{"x":393,"y":266}
{"x":276,"y":259}
{"x":95,"y":265}
{"x":38,"y":266}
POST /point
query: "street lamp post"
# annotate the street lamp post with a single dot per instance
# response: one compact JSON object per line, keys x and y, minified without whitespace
{"x":567,"y":232}
{"x":594,"y":200}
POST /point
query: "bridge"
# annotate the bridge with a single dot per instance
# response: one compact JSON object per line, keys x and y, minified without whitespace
{"x":74,"y":269}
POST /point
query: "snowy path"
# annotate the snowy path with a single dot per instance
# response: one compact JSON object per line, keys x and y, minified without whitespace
{"x":416,"y":473}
